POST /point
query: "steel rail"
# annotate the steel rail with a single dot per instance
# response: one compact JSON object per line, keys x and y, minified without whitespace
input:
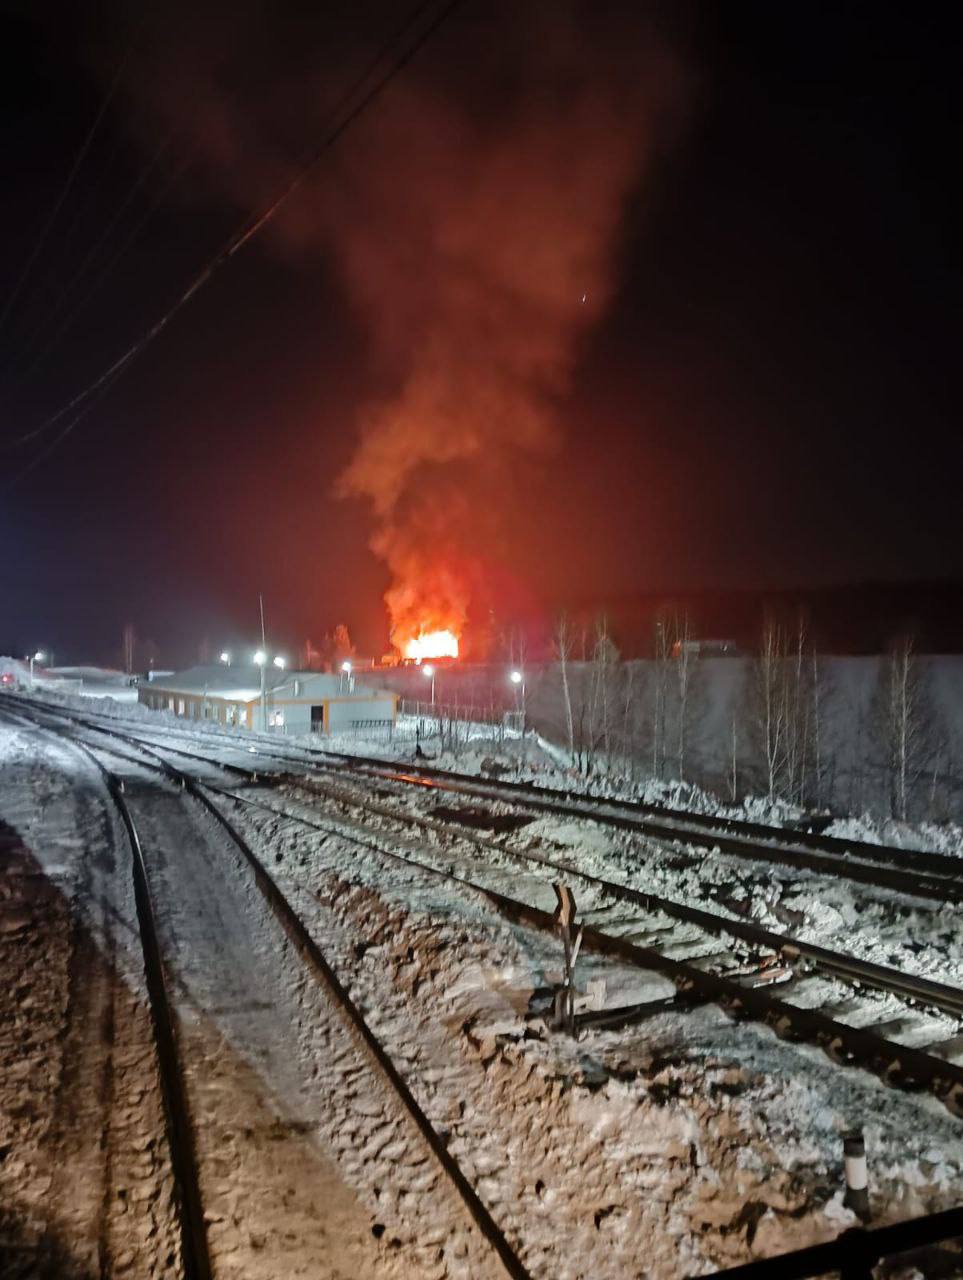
{"x":854,"y":1253}
{"x":793,"y":837}
{"x":896,"y":1065}
{"x":849,"y":968}
{"x":822,"y":855}
{"x":180,"y":1135}
{"x":877,"y":875}
{"x":852,"y":969}
{"x":311,"y":952}
{"x":805,"y":840}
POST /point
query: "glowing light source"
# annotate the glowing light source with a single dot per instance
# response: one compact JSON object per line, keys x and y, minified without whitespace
{"x":226,"y":658}
{"x":346,"y":668}
{"x":260,"y":657}
{"x":279,"y":662}
{"x":516,"y":677}
{"x":432,"y":644}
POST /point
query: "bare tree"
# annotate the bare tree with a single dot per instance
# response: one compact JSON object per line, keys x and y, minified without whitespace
{"x":901,"y":722}
{"x":129,"y":643}
{"x":627,"y":742}
{"x":604,"y":679}
{"x":683,"y":649}
{"x":150,"y":653}
{"x":786,"y":711}
{"x":733,"y":762}
{"x":563,"y":653}
{"x":663,"y":647}
{"x":771,"y":708}
{"x":310,"y":658}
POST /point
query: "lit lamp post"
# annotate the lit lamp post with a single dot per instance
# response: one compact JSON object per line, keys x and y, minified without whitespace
{"x":279,"y":722}
{"x":345,"y":674}
{"x":518,"y":680}
{"x":260,"y":659}
{"x":39,"y":656}
{"x":429,"y":674}
{"x":226,"y":658}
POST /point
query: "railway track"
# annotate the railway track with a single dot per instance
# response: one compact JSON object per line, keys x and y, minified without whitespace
{"x":935,"y":877}
{"x":196,"y":1254}
{"x":912,"y":988}
{"x":180,"y":1138}
{"x":908,"y":986}
{"x":895,"y":1062}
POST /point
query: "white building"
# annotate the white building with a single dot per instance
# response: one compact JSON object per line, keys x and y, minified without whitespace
{"x":296,"y":701}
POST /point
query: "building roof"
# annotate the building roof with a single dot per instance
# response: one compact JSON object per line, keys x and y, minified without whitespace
{"x":241,"y":682}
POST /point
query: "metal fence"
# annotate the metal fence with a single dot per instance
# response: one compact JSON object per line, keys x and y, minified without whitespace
{"x":446,"y":727}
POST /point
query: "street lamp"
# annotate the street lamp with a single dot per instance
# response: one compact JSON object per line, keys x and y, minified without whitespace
{"x":345,"y":672}
{"x":429,"y":674}
{"x":279,"y":662}
{"x":226,"y":658}
{"x":260,"y":659}
{"x":518,"y":680}
{"x":39,"y":656}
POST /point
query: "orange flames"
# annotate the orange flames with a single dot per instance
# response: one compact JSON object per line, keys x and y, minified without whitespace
{"x":431,"y":644}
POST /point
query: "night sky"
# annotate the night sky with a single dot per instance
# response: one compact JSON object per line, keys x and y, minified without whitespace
{"x":761,"y":391}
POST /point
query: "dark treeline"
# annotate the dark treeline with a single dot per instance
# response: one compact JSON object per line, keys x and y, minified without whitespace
{"x":856,"y":618}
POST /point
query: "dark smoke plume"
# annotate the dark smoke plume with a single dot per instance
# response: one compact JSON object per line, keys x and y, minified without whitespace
{"x":474,"y":214}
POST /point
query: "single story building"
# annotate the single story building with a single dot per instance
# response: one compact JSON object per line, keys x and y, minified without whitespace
{"x":296,"y":701}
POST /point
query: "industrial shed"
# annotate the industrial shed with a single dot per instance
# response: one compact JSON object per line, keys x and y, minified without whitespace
{"x":297,"y":701}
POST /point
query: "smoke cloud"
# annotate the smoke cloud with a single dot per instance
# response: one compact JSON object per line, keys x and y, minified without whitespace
{"x":474,"y":215}
{"x":477,"y":231}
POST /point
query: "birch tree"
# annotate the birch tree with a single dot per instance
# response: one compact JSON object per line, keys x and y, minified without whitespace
{"x":563,"y":653}
{"x":663,"y":647}
{"x":682,"y":648}
{"x":771,"y":699}
{"x":902,"y":724}
{"x":604,"y":677}
{"x":787,"y":712}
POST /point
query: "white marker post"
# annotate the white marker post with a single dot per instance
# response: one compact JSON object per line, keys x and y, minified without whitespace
{"x":857,"y":1179}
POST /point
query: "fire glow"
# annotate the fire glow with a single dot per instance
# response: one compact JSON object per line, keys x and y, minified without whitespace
{"x":432,"y":644}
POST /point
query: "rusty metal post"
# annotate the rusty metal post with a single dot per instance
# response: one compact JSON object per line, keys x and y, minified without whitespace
{"x":564,"y":1013}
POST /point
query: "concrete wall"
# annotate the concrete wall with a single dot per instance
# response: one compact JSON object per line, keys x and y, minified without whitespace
{"x":721,"y":698}
{"x":346,"y":713}
{"x":339,"y":713}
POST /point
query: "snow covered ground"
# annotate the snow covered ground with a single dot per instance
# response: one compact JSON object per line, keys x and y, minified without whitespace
{"x":675,"y":1147}
{"x":679,"y":1145}
{"x":486,"y":750}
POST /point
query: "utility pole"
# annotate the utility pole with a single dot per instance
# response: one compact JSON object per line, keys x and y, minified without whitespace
{"x":264,"y":720}
{"x":39,"y":656}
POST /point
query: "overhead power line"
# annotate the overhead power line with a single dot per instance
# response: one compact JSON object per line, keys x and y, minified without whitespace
{"x":74,"y":305}
{"x":353,"y":104}
{"x":65,"y":191}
